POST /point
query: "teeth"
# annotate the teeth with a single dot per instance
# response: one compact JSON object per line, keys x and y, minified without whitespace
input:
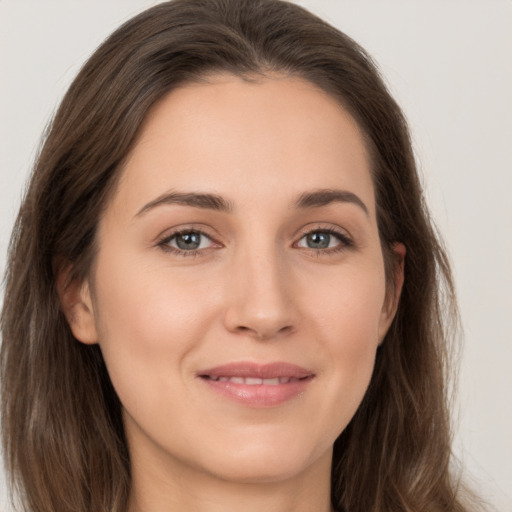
{"x":255,"y":381}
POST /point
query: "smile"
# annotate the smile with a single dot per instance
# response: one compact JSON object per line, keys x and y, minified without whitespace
{"x":256,"y":385}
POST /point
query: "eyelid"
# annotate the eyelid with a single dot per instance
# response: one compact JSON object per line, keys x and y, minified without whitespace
{"x":345,"y":239}
{"x":323,"y":227}
{"x":163,"y":241}
{"x":187,"y":228}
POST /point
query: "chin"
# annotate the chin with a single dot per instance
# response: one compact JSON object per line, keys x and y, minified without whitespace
{"x":264,"y":462}
{"x":260,"y":472}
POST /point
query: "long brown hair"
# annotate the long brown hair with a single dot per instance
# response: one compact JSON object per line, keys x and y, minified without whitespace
{"x":63,"y":436}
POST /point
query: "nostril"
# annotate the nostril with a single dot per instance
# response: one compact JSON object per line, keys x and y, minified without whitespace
{"x":264,"y":334}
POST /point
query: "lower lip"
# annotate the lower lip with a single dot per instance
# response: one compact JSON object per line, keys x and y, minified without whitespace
{"x":259,"y":395}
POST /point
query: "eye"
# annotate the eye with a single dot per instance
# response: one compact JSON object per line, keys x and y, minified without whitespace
{"x":322,"y":239}
{"x":188,"y":241}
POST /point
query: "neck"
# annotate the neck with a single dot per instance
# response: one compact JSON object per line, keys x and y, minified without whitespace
{"x":183,"y":489}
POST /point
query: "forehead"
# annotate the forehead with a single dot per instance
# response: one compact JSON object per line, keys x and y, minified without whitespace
{"x":263,"y":138}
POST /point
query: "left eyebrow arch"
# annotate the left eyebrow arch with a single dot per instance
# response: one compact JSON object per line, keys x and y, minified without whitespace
{"x":323,"y":197}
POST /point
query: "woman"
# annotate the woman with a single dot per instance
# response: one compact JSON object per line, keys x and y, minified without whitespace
{"x":224,"y":291}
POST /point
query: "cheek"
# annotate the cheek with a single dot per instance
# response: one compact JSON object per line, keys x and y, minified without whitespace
{"x":348,"y":319}
{"x":348,"y":306}
{"x":141,"y":297}
{"x":148,"y":322}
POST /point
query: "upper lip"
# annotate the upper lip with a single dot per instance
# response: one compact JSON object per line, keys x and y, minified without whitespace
{"x":251,"y":369}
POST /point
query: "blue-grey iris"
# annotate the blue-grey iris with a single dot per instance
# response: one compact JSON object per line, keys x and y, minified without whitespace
{"x":188,"y":241}
{"x":318,"y":240}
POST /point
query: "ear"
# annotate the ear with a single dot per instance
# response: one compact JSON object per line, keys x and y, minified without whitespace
{"x":394,"y":290}
{"x":76,"y":303}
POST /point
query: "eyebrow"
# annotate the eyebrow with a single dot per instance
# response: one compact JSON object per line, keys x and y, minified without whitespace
{"x":194,"y":199}
{"x":314,"y":199}
{"x":324,"y":197}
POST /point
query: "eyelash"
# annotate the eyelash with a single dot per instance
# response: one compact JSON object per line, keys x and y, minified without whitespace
{"x":345,"y":242}
{"x":164,"y":243}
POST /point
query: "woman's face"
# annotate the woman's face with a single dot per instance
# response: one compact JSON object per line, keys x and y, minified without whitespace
{"x":238,"y":295}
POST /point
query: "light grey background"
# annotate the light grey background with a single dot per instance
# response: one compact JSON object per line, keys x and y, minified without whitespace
{"x":448,"y":62}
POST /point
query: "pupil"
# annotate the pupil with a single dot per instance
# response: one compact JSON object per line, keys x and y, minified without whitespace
{"x":188,"y":241}
{"x":318,"y":240}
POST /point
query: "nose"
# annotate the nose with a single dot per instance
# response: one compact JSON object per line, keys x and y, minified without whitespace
{"x":260,"y":300}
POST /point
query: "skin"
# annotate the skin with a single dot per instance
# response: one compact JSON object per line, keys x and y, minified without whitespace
{"x":255,"y":290}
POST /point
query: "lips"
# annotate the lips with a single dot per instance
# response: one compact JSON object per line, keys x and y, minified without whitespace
{"x":258,"y":385}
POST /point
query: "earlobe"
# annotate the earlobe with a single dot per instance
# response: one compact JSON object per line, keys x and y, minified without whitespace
{"x":76,"y":303}
{"x":395,"y":289}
